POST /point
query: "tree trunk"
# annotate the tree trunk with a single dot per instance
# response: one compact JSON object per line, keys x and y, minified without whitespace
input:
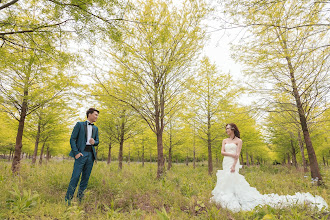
{"x":247,"y":159}
{"x":289,"y":161}
{"x":194,"y":157}
{"x":160,"y":158}
{"x":109,"y":154}
{"x":120,"y":156}
{"x":301,"y":146}
{"x":187,"y":160}
{"x":242,"y":158}
{"x":10,"y":152}
{"x":42,"y":153}
{"x":143,"y":155}
{"x":209,"y":144}
{"x":252,"y":162}
{"x":18,"y":146}
{"x":216,"y":159}
{"x":129,"y":154}
{"x":35,"y":152}
{"x":169,"y":165}
{"x":48,"y":154}
{"x":315,"y":171}
{"x":294,"y":159}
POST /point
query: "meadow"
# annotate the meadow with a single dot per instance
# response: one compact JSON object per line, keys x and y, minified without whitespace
{"x":135,"y":193}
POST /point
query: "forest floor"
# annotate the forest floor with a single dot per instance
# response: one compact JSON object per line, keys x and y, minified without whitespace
{"x":135,"y":193}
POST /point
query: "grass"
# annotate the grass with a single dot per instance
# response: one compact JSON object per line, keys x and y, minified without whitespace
{"x":134,"y":193}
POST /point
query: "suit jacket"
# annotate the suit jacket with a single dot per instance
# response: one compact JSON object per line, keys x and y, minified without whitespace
{"x":79,"y":138}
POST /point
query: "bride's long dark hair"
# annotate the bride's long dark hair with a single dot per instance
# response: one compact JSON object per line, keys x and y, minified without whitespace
{"x":235,"y":128}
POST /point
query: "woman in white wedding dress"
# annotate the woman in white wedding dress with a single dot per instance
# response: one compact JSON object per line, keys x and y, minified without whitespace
{"x":233,"y":192}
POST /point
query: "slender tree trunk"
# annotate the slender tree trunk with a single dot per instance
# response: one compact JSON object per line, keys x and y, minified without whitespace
{"x":252,"y":162}
{"x":194,"y":157}
{"x":294,"y":159}
{"x":289,"y":161}
{"x":247,"y":159}
{"x":284,"y":161}
{"x":120,"y":156}
{"x":216,"y":159}
{"x":143,"y":155}
{"x":242,"y":158}
{"x":48,"y":154}
{"x":121,"y":142}
{"x":96,"y":152}
{"x":159,"y":106}
{"x":301,"y":146}
{"x":42,"y":153}
{"x":129,"y":154}
{"x":187,"y":160}
{"x":315,"y":171}
{"x":109,"y":153}
{"x":10,"y":152}
{"x":169,"y":165}
{"x":18,"y":146}
{"x":160,"y":158}
{"x":209,"y":144}
{"x":35,"y":152}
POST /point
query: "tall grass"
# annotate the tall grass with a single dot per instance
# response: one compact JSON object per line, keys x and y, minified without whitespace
{"x":135,"y":193}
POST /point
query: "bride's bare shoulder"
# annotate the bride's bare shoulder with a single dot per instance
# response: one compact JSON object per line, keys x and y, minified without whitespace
{"x":225,"y":140}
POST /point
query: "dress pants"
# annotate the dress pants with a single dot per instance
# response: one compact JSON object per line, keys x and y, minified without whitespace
{"x":82,"y":166}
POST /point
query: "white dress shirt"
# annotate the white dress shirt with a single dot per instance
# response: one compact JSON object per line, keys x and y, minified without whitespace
{"x":89,"y":133}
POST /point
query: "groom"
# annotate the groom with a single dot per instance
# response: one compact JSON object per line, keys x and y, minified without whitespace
{"x":83,"y":139}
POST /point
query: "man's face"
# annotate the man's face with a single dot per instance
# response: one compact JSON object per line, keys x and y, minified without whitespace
{"x":93,"y":117}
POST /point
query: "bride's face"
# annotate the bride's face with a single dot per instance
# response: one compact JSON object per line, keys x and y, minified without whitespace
{"x":228,"y":130}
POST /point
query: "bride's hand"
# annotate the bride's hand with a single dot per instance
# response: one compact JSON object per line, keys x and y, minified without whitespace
{"x":232,"y":169}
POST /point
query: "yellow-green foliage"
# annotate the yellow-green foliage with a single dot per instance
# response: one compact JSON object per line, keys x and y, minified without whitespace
{"x":135,"y":193}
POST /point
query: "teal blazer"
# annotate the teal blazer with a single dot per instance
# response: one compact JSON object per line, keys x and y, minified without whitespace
{"x":79,"y":138}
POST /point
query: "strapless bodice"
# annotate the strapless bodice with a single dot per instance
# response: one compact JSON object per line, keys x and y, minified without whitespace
{"x":230,"y":148}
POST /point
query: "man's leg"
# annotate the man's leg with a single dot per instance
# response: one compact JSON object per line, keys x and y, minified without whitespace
{"x":86,"y":172}
{"x":77,"y":169}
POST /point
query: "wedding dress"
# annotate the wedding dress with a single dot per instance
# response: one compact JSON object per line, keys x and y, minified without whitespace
{"x":233,"y":192}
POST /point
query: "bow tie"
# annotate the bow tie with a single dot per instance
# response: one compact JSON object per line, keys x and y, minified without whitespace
{"x":90,"y":123}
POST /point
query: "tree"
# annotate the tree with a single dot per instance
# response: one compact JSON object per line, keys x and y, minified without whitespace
{"x":25,"y":77}
{"x":55,"y":20}
{"x":209,"y":93}
{"x":118,"y":123}
{"x":47,"y":123}
{"x":106,"y":124}
{"x":290,"y":60}
{"x":7,"y":138}
{"x":172,"y":137}
{"x":153,"y":58}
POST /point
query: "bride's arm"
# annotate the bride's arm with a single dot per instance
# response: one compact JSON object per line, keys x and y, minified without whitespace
{"x":224,"y":153}
{"x":238,"y":152}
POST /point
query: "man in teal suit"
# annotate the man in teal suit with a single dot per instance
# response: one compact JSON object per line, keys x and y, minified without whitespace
{"x":83,"y":139}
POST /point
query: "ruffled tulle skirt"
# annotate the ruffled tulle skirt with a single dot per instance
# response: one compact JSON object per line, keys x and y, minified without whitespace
{"x":233,"y":192}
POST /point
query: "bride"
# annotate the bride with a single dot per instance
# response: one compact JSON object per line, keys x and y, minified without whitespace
{"x":233,"y":192}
